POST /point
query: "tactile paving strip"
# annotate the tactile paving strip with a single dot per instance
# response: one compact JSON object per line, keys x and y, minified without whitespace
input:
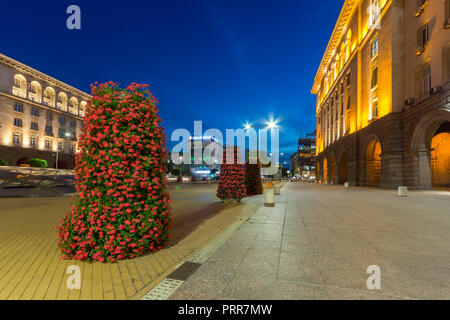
{"x":163,"y":290}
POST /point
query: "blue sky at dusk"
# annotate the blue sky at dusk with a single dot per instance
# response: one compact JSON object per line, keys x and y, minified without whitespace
{"x":222,"y":62}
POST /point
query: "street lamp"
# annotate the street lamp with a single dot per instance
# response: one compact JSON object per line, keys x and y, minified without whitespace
{"x":67,"y":135}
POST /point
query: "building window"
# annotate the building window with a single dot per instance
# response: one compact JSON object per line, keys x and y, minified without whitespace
{"x":72,"y":148}
{"x":33,"y":141}
{"x":447,"y":14}
{"x":60,"y":146}
{"x":16,"y":138}
{"x":34,"y":126}
{"x":48,"y":130}
{"x":423,"y":38}
{"x":374,"y":94}
{"x":61,"y":132}
{"x":35,"y":111}
{"x":47,"y":144}
{"x":49,"y":115}
{"x":73,"y":123}
{"x":374,"y":80}
{"x":61,"y":120}
{"x":18,"y":122}
{"x":18,"y":107}
{"x":20,"y":86}
{"x":421,"y":5}
{"x":426,"y":80}
{"x":374,"y":46}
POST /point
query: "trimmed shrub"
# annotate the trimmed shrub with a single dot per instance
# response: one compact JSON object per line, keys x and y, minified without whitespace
{"x":38,"y":163}
{"x":231,"y":181}
{"x":122,"y":209}
{"x":3,"y":162}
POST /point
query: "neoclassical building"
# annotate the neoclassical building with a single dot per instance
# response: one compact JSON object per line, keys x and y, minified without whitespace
{"x":383,"y":95}
{"x":39,"y":116}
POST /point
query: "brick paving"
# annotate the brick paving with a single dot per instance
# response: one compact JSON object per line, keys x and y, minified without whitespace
{"x":31,"y":267}
{"x":319,"y":240}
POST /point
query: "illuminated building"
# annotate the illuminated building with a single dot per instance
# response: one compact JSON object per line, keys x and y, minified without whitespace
{"x":306,"y":156}
{"x":383,"y":98}
{"x":39,"y":116}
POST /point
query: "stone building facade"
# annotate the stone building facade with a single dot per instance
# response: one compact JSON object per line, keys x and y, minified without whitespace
{"x":39,"y":116}
{"x":383,"y":95}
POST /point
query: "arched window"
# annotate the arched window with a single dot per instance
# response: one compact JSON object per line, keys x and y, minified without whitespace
{"x":73,"y":105}
{"x":82,"y":110}
{"x":62,"y":101}
{"x":20,"y":86}
{"x":35,"y":93}
{"x":49,"y":97}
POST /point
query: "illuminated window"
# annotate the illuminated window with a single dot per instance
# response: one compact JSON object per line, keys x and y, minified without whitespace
{"x":49,"y":97}
{"x":35,"y":112}
{"x":18,"y":107}
{"x":47,"y":144}
{"x":423,"y":38}
{"x":18,"y":122}
{"x":20,"y":86}
{"x":16,"y":138}
{"x":426,"y":80}
{"x":374,"y":81}
{"x":49,"y":130}
{"x":60,"y":146}
{"x":374,"y":47}
{"x":34,"y":126}
{"x":33,"y":141}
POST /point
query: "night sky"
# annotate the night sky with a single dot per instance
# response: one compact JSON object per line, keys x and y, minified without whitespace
{"x":225,"y":62}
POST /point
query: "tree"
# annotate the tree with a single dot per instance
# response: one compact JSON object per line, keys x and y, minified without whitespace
{"x":253,"y":183}
{"x":231,"y":181}
{"x":122,"y":205}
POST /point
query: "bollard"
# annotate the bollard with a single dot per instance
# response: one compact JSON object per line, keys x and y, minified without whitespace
{"x":277,"y":189}
{"x":402,"y":191}
{"x":346,"y":185}
{"x":269,"y":198}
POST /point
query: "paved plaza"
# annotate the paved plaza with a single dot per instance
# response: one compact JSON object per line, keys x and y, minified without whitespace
{"x":316,"y":243}
{"x":319,"y":240}
{"x":31,"y":266}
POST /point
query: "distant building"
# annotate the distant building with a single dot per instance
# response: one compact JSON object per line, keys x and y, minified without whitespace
{"x":383,"y":95}
{"x":306,"y":156}
{"x":293,"y":161}
{"x":39,"y":116}
{"x":205,"y":157}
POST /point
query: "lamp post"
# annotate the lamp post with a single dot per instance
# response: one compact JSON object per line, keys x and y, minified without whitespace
{"x":269,"y":125}
{"x":66,"y":135}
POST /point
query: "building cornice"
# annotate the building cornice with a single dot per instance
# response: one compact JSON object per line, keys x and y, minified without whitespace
{"x":22,"y":68}
{"x":339,"y":31}
{"x":41,"y":106}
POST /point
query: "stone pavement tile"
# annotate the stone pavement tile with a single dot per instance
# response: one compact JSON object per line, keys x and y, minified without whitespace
{"x":345,"y":272}
{"x":260,"y":261}
{"x":230,"y":256}
{"x":295,"y":290}
{"x":348,"y":294}
{"x":246,"y":286}
{"x":297,"y":237}
{"x":210,"y":280}
{"x":414,"y":282}
{"x":299,"y":268}
{"x":293,"y":248}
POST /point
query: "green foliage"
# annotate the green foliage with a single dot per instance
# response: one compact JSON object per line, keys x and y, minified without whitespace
{"x":3,"y":162}
{"x":38,"y":163}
